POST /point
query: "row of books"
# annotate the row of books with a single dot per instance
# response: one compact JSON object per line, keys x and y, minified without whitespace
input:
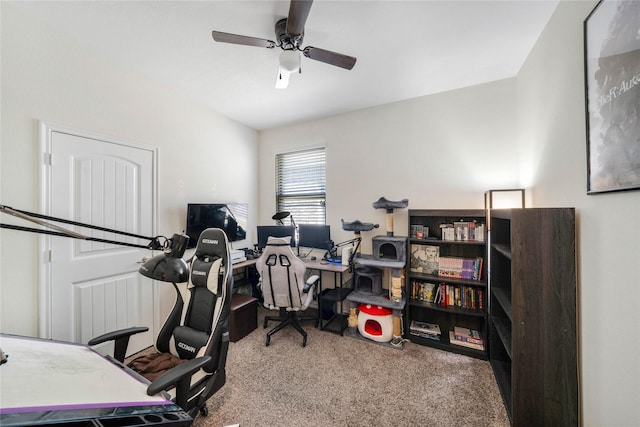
{"x":463,"y":231}
{"x":426,"y":259}
{"x":448,"y":295}
{"x":460,"y":268}
{"x":464,"y":337}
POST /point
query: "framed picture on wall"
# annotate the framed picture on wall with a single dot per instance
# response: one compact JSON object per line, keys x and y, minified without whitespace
{"x":612,"y":80}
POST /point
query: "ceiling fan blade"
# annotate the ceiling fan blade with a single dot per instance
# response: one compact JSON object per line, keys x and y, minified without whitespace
{"x":298,"y":14}
{"x":244,"y":40}
{"x":329,"y":57}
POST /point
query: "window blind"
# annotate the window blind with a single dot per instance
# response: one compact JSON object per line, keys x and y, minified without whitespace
{"x":301,"y":185}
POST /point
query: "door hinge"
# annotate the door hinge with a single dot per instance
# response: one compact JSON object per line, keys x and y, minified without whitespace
{"x":47,"y":159}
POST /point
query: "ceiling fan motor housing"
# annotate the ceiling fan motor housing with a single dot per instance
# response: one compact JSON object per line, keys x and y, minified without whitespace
{"x":285,"y":40}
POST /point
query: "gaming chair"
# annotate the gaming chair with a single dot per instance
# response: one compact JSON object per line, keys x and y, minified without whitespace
{"x":191,"y":348}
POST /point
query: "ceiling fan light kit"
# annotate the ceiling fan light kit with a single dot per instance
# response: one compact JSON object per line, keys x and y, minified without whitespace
{"x":290,"y":61}
{"x":290,"y":33}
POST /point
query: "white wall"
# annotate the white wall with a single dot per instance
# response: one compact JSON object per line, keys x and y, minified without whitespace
{"x":443,"y":151}
{"x":203,"y":156}
{"x":440,"y":151}
{"x":553,"y":133}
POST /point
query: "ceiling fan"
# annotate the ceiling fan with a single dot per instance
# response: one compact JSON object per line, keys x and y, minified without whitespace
{"x":289,"y":33}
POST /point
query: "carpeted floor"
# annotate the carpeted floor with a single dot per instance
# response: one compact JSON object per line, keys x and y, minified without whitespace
{"x":342,"y":381}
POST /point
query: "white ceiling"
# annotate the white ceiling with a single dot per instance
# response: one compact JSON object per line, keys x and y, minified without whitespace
{"x":405,"y":49}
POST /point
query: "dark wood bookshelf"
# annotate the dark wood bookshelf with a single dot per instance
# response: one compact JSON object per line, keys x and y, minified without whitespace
{"x":448,"y":317}
{"x":532,"y":319}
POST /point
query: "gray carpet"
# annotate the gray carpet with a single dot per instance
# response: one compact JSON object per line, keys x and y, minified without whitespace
{"x":342,"y":381}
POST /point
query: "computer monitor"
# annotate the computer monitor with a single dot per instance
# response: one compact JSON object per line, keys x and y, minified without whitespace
{"x":232,"y":218}
{"x":314,"y":236}
{"x":264,"y":231}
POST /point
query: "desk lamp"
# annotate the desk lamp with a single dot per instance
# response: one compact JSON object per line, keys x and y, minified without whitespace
{"x":167,"y":267}
{"x":279,"y":216}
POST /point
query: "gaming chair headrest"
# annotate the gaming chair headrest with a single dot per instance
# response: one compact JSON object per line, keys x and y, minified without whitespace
{"x":212,"y":242}
{"x":279,"y":241}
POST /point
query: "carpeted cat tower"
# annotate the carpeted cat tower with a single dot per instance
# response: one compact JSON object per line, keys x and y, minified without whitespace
{"x":374,"y":314}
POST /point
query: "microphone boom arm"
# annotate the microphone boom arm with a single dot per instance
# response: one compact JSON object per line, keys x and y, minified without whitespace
{"x":154,"y":242}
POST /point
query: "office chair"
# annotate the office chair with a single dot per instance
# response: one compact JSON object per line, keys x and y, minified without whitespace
{"x":191,"y":348}
{"x":283,"y":286}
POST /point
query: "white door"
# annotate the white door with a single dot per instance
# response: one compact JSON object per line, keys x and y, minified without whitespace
{"x":93,"y":287}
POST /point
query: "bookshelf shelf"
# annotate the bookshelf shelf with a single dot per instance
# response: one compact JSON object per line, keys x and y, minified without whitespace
{"x":503,"y":328}
{"x":451,"y":309}
{"x":468,"y":296}
{"x":452,"y":280}
{"x":434,"y":241}
{"x":446,"y":346}
{"x":502,"y":249}
{"x":504,"y":299}
{"x":532,"y":319}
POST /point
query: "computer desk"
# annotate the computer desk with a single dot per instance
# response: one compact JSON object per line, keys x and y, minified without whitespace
{"x":332,"y":295}
{"x":337,"y":322}
{"x":46,"y":383}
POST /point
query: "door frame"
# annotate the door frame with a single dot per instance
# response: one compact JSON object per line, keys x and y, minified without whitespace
{"x":44,"y":270}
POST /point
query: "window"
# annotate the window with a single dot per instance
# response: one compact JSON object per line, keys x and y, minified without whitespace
{"x":301,"y":185}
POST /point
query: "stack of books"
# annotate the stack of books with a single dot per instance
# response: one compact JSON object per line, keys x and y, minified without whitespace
{"x":466,"y":337}
{"x":425,"y":330}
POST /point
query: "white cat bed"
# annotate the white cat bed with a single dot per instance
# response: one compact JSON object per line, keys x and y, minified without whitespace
{"x":375,"y":322}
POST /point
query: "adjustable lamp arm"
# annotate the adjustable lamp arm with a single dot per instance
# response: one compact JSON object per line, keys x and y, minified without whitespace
{"x":167,"y":267}
{"x":332,"y":247}
{"x":155,"y":243}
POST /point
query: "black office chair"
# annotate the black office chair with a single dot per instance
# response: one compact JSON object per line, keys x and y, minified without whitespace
{"x":191,"y":348}
{"x":284,"y":287}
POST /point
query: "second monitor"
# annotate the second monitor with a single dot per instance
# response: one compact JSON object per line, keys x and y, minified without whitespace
{"x":314,"y":236}
{"x":264,"y":231}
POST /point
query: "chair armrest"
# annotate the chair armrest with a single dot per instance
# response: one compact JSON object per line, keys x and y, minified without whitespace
{"x":121,"y":338}
{"x":180,"y":376}
{"x":310,"y":282}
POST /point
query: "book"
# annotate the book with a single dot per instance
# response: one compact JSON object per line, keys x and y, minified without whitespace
{"x":461,"y":230}
{"x":437,"y":297}
{"x":423,"y":335}
{"x":423,"y":291}
{"x":428,"y":291}
{"x":447,"y":232}
{"x":424,"y":327}
{"x":474,"y":346}
{"x":425,"y":259}
{"x":479,"y":232}
{"x":467,"y":335}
